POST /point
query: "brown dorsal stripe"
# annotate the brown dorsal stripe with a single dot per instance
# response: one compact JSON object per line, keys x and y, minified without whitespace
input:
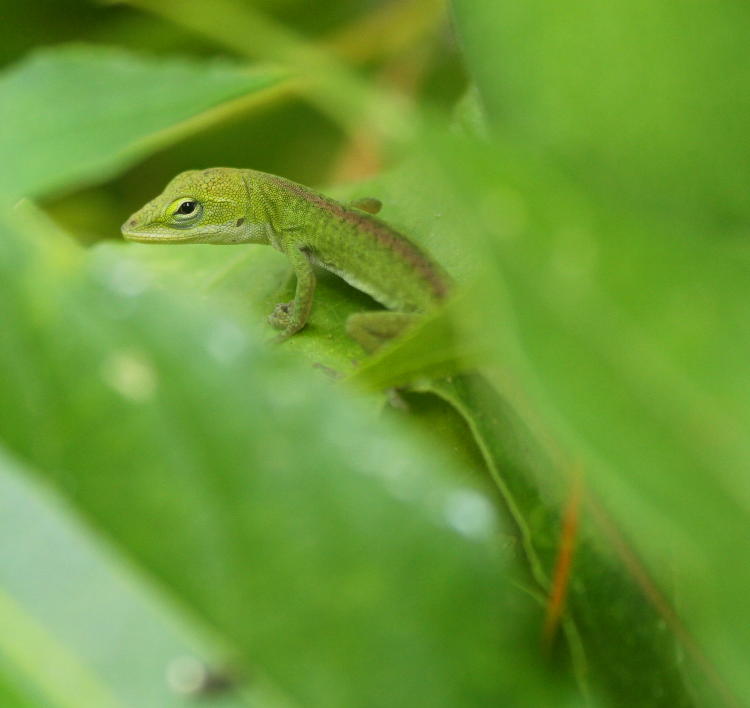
{"x":380,"y":232}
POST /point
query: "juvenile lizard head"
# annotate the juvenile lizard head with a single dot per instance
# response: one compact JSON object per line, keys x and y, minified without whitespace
{"x":198,"y":206}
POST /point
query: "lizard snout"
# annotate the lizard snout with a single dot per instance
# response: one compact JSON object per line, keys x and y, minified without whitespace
{"x":132,"y":222}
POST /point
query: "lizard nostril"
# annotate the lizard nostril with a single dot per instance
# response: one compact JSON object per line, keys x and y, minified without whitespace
{"x":132,"y":222}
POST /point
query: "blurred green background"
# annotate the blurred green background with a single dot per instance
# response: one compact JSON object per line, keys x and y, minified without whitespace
{"x":558,"y":512}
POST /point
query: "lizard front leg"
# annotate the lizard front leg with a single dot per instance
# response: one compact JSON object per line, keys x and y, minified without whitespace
{"x":290,"y":317}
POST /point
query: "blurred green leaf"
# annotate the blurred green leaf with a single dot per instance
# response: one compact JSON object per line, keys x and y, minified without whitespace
{"x":604,"y":602}
{"x":248,"y":281}
{"x":37,"y":656}
{"x":598,"y":349}
{"x":611,"y":208}
{"x":333,"y":553}
{"x":13,"y":694}
{"x":61,"y":587}
{"x":326,"y":80}
{"x":75,"y":114}
{"x":643,"y":104}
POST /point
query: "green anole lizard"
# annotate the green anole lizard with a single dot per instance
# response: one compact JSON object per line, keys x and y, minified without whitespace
{"x":224,"y":205}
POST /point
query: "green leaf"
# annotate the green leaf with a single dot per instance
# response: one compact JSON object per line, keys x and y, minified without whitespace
{"x":332,"y":553}
{"x":587,"y":311}
{"x":57,"y":674}
{"x":65,"y":601}
{"x":320,"y":76}
{"x":620,"y":158}
{"x":248,"y":281}
{"x":76,"y":114}
{"x":13,"y":694}
{"x":604,"y":598}
{"x":641,"y":103}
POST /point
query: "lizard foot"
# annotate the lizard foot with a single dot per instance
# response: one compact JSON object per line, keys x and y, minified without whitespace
{"x":281,"y":317}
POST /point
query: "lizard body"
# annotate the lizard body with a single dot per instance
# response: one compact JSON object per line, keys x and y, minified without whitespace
{"x":224,"y":205}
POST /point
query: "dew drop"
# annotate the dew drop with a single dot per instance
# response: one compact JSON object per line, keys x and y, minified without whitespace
{"x":469,"y":513}
{"x":186,"y":675}
{"x":130,"y":374}
{"x":226,"y":341}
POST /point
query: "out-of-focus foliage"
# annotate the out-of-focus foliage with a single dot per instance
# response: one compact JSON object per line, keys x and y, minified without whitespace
{"x":188,"y":511}
{"x":144,"y":104}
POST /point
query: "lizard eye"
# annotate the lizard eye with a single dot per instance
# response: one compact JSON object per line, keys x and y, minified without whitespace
{"x":187,"y":207}
{"x":185,"y":210}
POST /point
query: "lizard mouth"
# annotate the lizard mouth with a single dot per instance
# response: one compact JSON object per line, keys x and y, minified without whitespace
{"x":133,"y":232}
{"x":145,"y":237}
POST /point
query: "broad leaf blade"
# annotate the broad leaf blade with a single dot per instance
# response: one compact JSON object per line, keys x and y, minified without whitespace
{"x":320,"y":543}
{"x":75,"y":114}
{"x":642,"y":103}
{"x":625,"y":298}
{"x":68,"y":598}
{"x":604,"y":599}
{"x":585,"y":307}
